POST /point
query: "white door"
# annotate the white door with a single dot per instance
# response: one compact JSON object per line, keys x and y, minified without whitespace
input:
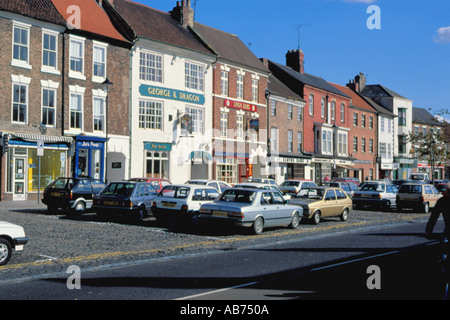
{"x":20,"y":173}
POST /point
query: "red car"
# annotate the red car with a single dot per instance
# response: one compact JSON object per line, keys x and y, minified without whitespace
{"x":157,"y":183}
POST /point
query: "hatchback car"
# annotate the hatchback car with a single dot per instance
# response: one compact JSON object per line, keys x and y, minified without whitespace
{"x":251,"y":208}
{"x":128,"y":198}
{"x":417,"y":196}
{"x":262,"y":180}
{"x":348,"y":187}
{"x":157,"y":183}
{"x":181,"y":203}
{"x":220,"y":186}
{"x":378,"y":194}
{"x":71,"y":194}
{"x":12,"y":238}
{"x":293,"y":186}
{"x":321,"y":202}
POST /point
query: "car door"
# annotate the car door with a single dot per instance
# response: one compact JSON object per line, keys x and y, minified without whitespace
{"x":391,"y":194}
{"x":269,"y":209}
{"x":330,"y":203}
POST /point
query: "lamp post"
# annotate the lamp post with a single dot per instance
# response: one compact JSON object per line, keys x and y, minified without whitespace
{"x":106,"y":84}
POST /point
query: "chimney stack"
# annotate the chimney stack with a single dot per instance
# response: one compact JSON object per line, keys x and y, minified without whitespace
{"x":296,"y":60}
{"x":183,"y":14}
{"x":358,"y":83}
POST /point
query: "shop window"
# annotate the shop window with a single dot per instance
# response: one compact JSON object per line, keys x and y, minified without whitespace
{"x":157,"y":164}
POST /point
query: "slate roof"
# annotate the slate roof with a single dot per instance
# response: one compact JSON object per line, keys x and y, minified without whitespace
{"x":422,"y":116}
{"x":93,"y":18}
{"x":275,"y":86}
{"x":42,"y":10}
{"x":378,"y":90}
{"x":228,"y":46}
{"x":304,"y":78}
{"x":357,"y":100}
{"x":158,"y":26}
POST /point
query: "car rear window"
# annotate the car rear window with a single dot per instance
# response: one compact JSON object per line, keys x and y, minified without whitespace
{"x":63,"y":184}
{"x":291,"y":183}
{"x":175,"y":192}
{"x":373,"y":187}
{"x":237,"y":195}
{"x":410,"y":188}
{"x":124,"y":189}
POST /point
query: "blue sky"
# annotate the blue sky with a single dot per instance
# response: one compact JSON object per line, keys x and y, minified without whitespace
{"x":410,"y":54}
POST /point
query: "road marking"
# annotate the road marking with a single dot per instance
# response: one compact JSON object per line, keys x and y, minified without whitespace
{"x":217,"y":291}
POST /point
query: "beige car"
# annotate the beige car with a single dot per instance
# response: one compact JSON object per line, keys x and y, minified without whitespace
{"x":321,"y":202}
{"x":419,"y":196}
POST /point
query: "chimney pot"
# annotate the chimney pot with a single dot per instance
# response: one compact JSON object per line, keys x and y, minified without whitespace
{"x":296,"y":60}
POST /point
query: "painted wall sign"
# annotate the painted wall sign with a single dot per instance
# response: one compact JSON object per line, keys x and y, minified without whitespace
{"x":240,"y":105}
{"x":172,"y":94}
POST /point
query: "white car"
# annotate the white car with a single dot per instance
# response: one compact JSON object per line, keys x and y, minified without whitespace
{"x":182,"y":202}
{"x":257,"y":185}
{"x":12,"y":238}
{"x":221,"y":186}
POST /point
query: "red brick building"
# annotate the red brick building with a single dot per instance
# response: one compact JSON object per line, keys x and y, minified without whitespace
{"x":326,"y":123}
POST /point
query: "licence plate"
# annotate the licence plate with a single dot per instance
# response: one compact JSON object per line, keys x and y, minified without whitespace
{"x":55,"y":194}
{"x":169,"y":205}
{"x":220,"y":213}
{"x":366,"y":195}
{"x":110,"y":203}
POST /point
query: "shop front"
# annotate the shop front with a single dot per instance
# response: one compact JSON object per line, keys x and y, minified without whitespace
{"x":89,"y":159}
{"x":31,"y":162}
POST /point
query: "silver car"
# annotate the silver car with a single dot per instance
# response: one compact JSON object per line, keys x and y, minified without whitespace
{"x":251,"y":208}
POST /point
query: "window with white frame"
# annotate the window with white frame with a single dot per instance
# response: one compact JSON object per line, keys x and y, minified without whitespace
{"x":273,"y":108}
{"x":223,"y":123}
{"x":49,"y":50}
{"x":197,"y":119}
{"x":290,"y":141}
{"x":255,"y":90}
{"x":223,"y":83}
{"x":383,"y":150}
{"x":240,"y":126}
{"x":227,"y":170}
{"x":194,"y":75}
{"x":355,"y":144}
{"x":382,"y":124}
{"x":99,"y":113}
{"x":150,"y":114}
{"x":20,"y":103}
{"x":76,"y":111}
{"x":311,"y":104}
{"x":342,"y":112}
{"x":333,"y":110}
{"x":273,"y":139}
{"x":150,"y":67}
{"x":322,"y":108}
{"x":240,"y":87}
{"x":21,"y":43}
{"x":290,"y":111}
{"x":77,"y":55}
{"x":299,"y":113}
{"x":299,"y":141}
{"x":48,"y":107}
{"x":326,"y":142}
{"x":99,"y":61}
{"x":342,"y":144}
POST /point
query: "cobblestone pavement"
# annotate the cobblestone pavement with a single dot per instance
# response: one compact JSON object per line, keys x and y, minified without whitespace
{"x":57,"y":241}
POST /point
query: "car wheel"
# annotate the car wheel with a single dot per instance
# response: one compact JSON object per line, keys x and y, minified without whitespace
{"x":80,"y":207}
{"x":5,"y":251}
{"x":387,"y":205}
{"x":344,"y":215}
{"x":139,"y":216}
{"x":52,"y":209}
{"x":426,"y":207}
{"x":295,"y":221}
{"x":316,"y":217}
{"x":258,"y":225}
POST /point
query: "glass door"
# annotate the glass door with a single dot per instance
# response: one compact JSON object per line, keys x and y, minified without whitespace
{"x":19,"y":192}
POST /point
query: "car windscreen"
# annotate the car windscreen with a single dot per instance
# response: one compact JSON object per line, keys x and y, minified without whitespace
{"x":312,"y":193}
{"x":196,"y":182}
{"x":373,"y":187}
{"x":237,"y":195}
{"x":290,"y":184}
{"x":179,"y":192}
{"x":410,"y":188}
{"x":120,"y":188}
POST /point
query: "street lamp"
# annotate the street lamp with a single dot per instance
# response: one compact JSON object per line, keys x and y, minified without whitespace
{"x":106,"y":85}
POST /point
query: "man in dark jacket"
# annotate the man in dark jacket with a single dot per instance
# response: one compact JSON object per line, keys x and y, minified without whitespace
{"x":442,"y":206}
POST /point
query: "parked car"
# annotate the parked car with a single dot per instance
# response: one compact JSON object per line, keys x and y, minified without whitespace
{"x":320,"y":202}
{"x":262,"y":180}
{"x":417,"y":196}
{"x":157,"y":183}
{"x":379,"y":194}
{"x":419,"y":176}
{"x":130,"y":198}
{"x":399,"y":183}
{"x":293,"y":186}
{"x":348,"y":187}
{"x":12,"y":238}
{"x":220,"y":186}
{"x":346,"y":179}
{"x":256,"y":185}
{"x":251,"y":208}
{"x":181,"y":203}
{"x":73,"y":195}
